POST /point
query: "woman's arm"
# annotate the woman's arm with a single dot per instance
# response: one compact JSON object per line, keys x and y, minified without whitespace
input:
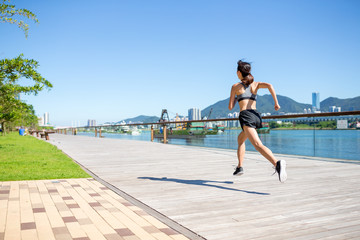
{"x":272,"y":91}
{"x":232,"y":98}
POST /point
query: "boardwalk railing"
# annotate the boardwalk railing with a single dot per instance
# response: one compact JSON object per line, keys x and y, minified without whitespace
{"x":314,"y":142}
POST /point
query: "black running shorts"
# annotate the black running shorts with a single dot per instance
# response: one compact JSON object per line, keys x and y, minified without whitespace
{"x":250,"y":118}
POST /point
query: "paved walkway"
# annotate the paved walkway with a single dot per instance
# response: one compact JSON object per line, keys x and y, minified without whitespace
{"x":192,"y":191}
{"x":76,"y":209}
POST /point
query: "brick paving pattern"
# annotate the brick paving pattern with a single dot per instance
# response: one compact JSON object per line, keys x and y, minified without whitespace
{"x":75,"y":209}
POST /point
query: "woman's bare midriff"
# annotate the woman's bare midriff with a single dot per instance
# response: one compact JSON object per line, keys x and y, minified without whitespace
{"x":247,"y":104}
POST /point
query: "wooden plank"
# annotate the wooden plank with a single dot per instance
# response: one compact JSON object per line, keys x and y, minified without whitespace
{"x":195,"y":187}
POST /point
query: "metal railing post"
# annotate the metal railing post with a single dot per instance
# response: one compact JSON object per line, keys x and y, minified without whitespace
{"x":99,"y":132}
{"x":95,"y":132}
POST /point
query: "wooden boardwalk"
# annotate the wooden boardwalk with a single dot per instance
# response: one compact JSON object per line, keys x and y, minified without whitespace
{"x":194,"y":187}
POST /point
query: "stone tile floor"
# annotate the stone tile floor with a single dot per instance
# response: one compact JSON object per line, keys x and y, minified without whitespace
{"x":76,"y":209}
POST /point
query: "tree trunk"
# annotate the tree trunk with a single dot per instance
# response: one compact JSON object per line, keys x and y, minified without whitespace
{"x":3,"y":128}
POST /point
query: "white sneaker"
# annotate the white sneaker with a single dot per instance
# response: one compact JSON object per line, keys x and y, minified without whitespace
{"x":281,"y":170}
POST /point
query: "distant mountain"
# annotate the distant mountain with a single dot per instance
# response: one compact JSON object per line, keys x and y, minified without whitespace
{"x":142,"y":118}
{"x":349,"y":104}
{"x":265,"y":104}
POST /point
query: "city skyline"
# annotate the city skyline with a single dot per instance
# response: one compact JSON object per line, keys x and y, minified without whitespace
{"x":142,"y":58}
{"x":195,"y":113}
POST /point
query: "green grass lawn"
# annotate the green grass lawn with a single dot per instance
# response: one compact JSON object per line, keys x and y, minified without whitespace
{"x":28,"y":158}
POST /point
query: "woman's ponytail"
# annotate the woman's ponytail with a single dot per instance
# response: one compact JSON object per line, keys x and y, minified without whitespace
{"x":245,"y":69}
{"x":248,"y":79}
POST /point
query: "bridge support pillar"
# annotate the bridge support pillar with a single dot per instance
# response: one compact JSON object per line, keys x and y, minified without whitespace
{"x":165,"y":134}
{"x":152,"y":133}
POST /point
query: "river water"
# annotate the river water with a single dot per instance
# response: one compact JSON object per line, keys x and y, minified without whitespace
{"x":340,"y":144}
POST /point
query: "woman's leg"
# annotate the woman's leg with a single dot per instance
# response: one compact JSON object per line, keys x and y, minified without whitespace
{"x":256,"y":142}
{"x":241,"y":147}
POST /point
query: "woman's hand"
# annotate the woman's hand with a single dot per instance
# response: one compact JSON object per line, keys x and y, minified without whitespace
{"x":277,"y":107}
{"x":272,"y":91}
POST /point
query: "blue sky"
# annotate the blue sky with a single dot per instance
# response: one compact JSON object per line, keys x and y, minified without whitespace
{"x":111,"y":60}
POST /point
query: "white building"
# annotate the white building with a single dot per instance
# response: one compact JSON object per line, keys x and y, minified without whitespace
{"x":46,"y":119}
{"x":208,"y":124}
{"x":342,"y":124}
{"x":234,"y":123}
{"x":194,"y":114}
{"x":229,"y":123}
{"x":334,"y":109}
{"x":91,"y":123}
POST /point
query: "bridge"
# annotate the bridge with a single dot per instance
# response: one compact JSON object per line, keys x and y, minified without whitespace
{"x":295,"y":118}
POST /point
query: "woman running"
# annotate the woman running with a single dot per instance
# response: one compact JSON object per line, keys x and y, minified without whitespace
{"x":245,"y":93}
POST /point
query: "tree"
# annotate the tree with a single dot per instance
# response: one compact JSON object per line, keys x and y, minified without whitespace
{"x":26,"y":117}
{"x":16,"y":113}
{"x":326,"y":124}
{"x":11,"y":71}
{"x":12,"y":110}
{"x":274,"y":124}
{"x":8,"y":13}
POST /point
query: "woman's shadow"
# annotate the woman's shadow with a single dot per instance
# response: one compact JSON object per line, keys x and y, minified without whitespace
{"x":202,"y":183}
